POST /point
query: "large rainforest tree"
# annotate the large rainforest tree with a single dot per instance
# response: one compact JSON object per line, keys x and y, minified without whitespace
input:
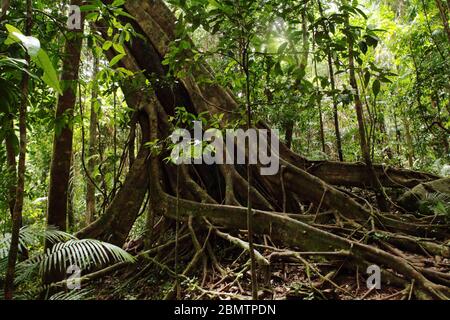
{"x":362,"y":81}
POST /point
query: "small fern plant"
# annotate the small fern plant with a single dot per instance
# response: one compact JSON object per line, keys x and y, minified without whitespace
{"x":66,"y":251}
{"x":437,"y":204}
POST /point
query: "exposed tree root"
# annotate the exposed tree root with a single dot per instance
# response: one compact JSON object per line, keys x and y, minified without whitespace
{"x":298,"y":234}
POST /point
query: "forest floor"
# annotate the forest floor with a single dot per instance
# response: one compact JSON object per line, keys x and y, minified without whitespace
{"x":318,"y":280}
{"x":288,"y":281}
{"x":226,"y":273}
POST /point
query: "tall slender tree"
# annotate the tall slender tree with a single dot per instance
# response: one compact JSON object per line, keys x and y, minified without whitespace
{"x":333,"y":89}
{"x":90,"y":187}
{"x":290,"y":124}
{"x":62,"y":143}
{"x":12,"y":164}
{"x":20,"y":189}
{"x":319,"y":101}
{"x":364,"y":145}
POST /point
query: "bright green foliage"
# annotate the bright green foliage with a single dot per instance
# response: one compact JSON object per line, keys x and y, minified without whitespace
{"x":37,"y":54}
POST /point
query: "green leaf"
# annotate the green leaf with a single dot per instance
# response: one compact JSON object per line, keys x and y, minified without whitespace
{"x":88,"y":7}
{"x":184,"y":45}
{"x":125,"y":72}
{"x":92,"y":16}
{"x":361,"y":12}
{"x":119,"y":48}
{"x":38,"y":55}
{"x":50,"y":76}
{"x":277,"y":69}
{"x":107,"y":45}
{"x":282,"y":48}
{"x":376,"y":86}
{"x":118,"y":3}
{"x":372,"y":40}
{"x":31,"y":44}
{"x":116,"y":59}
{"x":12,"y":38}
{"x":385,"y":80}
{"x":120,"y":12}
{"x":230,"y":65}
{"x":363,"y":46}
{"x":366,"y":78}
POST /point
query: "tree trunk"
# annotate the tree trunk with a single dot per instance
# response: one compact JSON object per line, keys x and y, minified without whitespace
{"x":132,"y":141}
{"x":90,"y":187}
{"x":70,"y":208}
{"x":289,"y":133}
{"x":444,"y":17}
{"x":5,"y":7}
{"x":18,"y":205}
{"x":365,"y":149}
{"x":290,"y":124}
{"x":398,"y":138}
{"x":62,"y":143}
{"x":305,"y":40}
{"x":12,"y":165}
{"x":250,"y":218}
{"x":333,"y":90}
{"x":409,"y":143}
{"x":319,"y":104}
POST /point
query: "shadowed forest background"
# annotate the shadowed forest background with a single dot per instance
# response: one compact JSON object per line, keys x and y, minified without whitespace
{"x":92,"y":205}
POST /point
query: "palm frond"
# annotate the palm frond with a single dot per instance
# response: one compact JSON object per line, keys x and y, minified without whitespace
{"x":66,"y":250}
{"x":30,"y":236}
{"x":54,"y":235}
{"x":83,"y":253}
{"x":82,"y":294}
